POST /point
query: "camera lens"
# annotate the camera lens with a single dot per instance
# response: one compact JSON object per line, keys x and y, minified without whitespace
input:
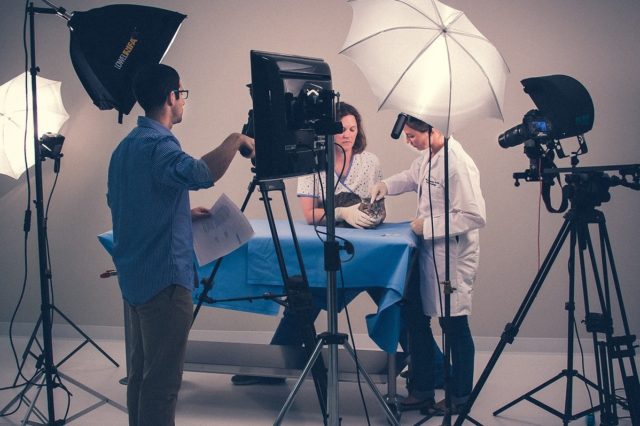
{"x":514,"y":136}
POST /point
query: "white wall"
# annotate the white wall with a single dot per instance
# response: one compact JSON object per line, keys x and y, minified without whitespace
{"x":591,"y":40}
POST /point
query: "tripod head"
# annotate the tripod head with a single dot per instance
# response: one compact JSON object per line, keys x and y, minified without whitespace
{"x":588,"y":187}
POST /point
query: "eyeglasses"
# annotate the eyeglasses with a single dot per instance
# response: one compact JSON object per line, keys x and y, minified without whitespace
{"x":184,"y":94}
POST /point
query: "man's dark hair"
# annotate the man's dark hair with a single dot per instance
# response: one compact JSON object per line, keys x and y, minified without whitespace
{"x":152,"y":84}
{"x":360,"y":143}
{"x":419,"y":125}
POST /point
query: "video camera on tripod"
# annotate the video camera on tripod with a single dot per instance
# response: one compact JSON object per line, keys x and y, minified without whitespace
{"x":564,"y":110}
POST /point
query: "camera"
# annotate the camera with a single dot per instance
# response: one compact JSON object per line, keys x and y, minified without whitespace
{"x":564,"y":109}
{"x":535,"y":126}
{"x":313,"y":109}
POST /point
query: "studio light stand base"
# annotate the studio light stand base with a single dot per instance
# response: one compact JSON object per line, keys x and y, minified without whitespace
{"x":38,"y":382}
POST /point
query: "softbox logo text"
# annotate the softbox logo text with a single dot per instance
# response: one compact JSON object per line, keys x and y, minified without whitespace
{"x":126,"y":52}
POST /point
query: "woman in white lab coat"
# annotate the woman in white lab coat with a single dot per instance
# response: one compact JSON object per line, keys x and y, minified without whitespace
{"x":467,"y":215}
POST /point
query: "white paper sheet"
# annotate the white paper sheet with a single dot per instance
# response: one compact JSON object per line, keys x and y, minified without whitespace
{"x":220,"y":233}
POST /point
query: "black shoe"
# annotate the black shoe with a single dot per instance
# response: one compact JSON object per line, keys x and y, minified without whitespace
{"x":244,"y":380}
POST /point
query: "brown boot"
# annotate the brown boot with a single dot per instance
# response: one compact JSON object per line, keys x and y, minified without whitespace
{"x":413,"y":403}
{"x":439,"y":408}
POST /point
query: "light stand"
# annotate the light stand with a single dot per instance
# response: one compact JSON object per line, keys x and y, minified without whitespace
{"x":45,"y":306}
{"x":395,"y":134}
{"x":49,"y":369}
{"x":446,"y":421}
{"x":332,"y":338}
{"x":45,"y":313}
{"x":332,"y":265}
{"x":448,"y":289}
{"x":298,"y":296}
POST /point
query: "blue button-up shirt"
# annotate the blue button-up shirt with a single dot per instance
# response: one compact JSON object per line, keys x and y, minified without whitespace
{"x":149,"y":180}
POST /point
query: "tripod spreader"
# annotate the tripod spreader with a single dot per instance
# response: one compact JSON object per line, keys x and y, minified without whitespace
{"x":266,"y":296}
{"x":333,"y":338}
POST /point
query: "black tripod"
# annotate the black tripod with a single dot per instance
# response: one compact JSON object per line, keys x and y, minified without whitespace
{"x":47,"y":376}
{"x":332,"y":338}
{"x":298,"y":295}
{"x":585,"y":193}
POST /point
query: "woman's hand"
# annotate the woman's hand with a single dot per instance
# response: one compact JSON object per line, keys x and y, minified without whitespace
{"x":378,"y":191}
{"x":354,"y":217}
{"x":417,"y":226}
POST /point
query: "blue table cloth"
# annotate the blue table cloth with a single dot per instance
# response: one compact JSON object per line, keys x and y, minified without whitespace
{"x":380,"y":263}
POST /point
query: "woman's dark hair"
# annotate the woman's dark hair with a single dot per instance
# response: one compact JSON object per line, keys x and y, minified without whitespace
{"x":418,"y":125}
{"x":152,"y":84}
{"x":360,"y":143}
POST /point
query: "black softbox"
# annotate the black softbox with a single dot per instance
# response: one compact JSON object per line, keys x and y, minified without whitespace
{"x":109,"y":44}
{"x":565,"y":101}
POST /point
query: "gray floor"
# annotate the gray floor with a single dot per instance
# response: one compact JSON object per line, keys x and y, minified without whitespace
{"x":210,"y":399}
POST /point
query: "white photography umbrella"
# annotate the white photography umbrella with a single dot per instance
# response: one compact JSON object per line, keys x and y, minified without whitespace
{"x":428,"y":60}
{"x":13,"y":119}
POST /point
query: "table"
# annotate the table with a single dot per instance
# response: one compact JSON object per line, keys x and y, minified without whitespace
{"x":381,"y":261}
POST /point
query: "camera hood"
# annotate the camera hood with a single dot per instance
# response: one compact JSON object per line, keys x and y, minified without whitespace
{"x":564,"y":101}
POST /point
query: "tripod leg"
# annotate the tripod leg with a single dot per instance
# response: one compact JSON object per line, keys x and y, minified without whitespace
{"x":390,"y":415}
{"x":27,"y":350}
{"x":32,"y":406}
{"x":609,"y":349}
{"x":599,"y":323}
{"x":104,"y":399}
{"x":86,"y":337}
{"x":307,"y":368}
{"x":21,"y":395}
{"x":208,"y":283}
{"x":527,"y":396}
{"x":570,"y":306}
{"x":319,"y":370}
{"x":630,"y":381}
{"x":299,"y":289}
{"x":207,"y":286}
{"x":512,"y":328}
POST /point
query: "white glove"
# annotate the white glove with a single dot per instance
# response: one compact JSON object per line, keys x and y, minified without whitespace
{"x":354,"y":217}
{"x":378,"y":191}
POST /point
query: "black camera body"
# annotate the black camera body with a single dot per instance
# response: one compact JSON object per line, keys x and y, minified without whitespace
{"x":312,"y":109}
{"x":535,"y":126}
{"x":565,"y":109}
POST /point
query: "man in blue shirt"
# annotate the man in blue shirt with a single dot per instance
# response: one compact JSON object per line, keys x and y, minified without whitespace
{"x":149,"y":180}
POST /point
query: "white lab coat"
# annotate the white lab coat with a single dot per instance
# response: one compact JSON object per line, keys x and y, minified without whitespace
{"x":467,"y":215}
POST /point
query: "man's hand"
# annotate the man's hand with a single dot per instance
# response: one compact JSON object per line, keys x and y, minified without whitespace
{"x":417,"y":226}
{"x":378,"y":191}
{"x":355,"y":217}
{"x":199,"y":212}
